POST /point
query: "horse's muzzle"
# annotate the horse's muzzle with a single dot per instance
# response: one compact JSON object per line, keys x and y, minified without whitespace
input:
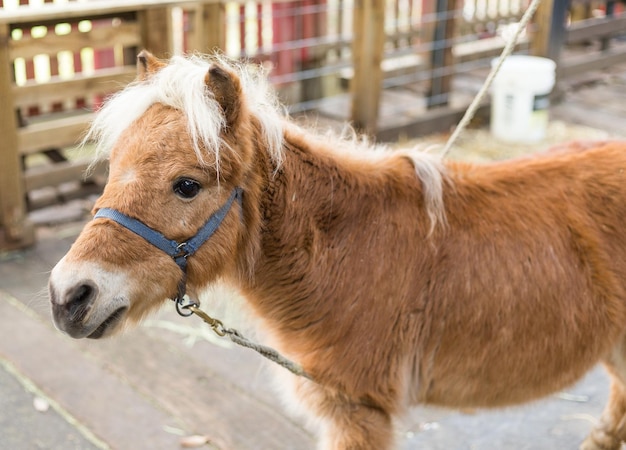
{"x":73,"y":313}
{"x":80,"y":308}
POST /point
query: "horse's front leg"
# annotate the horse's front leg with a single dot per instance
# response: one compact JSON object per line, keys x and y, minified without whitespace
{"x":610,"y":431}
{"x":354,"y":426}
{"x":340,"y":421}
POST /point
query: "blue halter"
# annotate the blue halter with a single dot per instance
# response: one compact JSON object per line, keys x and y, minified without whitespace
{"x":179,"y":251}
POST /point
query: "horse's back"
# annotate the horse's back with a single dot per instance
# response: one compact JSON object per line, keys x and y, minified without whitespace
{"x":528,"y":284}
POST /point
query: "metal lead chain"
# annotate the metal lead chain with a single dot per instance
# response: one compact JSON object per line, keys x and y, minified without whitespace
{"x":216,"y":325}
{"x":218,"y":328}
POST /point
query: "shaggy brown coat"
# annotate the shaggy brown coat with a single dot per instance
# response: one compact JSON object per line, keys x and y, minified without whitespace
{"x":515,"y":292}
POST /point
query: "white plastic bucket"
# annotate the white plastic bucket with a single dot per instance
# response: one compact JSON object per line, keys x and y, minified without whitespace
{"x":520,"y":98}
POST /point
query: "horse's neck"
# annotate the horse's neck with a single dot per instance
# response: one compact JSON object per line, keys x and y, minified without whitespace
{"x":307,"y":195}
{"x":301,"y":205}
{"x":322,"y":216}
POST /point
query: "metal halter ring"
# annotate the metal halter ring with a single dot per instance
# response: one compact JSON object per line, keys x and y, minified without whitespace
{"x":183,"y":306}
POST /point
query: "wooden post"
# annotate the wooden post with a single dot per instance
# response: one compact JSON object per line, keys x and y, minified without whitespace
{"x":541,"y":31}
{"x":442,"y":58}
{"x":193,"y":36}
{"x":540,"y":40}
{"x":15,"y":229}
{"x":213,"y":27}
{"x":367,"y":53}
{"x":550,"y":32}
{"x":156,"y":31}
{"x":580,"y":10}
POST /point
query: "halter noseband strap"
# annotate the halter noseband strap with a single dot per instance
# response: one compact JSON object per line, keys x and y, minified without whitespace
{"x":179,"y":251}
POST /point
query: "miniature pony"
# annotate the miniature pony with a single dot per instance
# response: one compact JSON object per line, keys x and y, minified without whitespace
{"x":392,"y":278}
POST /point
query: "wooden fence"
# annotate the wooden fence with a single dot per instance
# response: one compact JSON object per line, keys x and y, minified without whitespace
{"x":336,"y":57}
{"x":57,"y":63}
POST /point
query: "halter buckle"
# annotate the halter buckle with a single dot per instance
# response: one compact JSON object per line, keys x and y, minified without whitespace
{"x":181,"y":251}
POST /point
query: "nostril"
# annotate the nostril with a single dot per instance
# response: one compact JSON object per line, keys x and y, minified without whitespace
{"x":79,"y":299}
{"x":82,"y":293}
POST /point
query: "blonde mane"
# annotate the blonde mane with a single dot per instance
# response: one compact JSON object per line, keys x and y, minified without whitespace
{"x":428,"y":164}
{"x":181,"y":85}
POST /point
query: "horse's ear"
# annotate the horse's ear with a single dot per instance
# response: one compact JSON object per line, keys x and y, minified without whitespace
{"x":148,"y":64}
{"x":226,"y":89}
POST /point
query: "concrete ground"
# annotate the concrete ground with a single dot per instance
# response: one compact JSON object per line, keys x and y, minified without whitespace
{"x":170,"y":382}
{"x":27,"y":421}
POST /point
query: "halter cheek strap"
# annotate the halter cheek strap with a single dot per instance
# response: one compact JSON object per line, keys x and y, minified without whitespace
{"x":179,"y":251}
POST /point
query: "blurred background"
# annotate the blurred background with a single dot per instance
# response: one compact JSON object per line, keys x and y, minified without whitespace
{"x":401,"y":71}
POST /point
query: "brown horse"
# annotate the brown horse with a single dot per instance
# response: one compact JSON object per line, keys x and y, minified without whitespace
{"x":393,"y":278}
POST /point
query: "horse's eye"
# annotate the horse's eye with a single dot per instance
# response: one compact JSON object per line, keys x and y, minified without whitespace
{"x":186,"y":188}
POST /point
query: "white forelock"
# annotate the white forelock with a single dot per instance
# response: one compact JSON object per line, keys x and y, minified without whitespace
{"x":181,"y":85}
